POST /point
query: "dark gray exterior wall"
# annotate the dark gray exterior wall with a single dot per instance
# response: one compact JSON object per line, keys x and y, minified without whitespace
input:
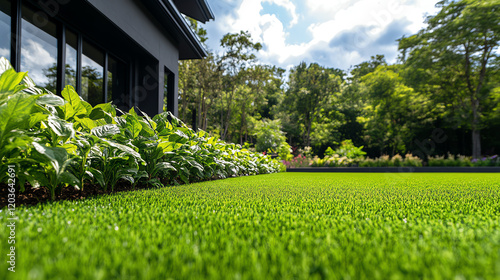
{"x":135,"y":20}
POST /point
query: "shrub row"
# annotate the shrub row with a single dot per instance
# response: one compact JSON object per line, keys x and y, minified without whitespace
{"x":460,"y":160}
{"x":56,"y":142}
{"x":386,"y":161}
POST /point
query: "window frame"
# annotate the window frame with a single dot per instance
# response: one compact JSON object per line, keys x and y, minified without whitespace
{"x":62,"y":26}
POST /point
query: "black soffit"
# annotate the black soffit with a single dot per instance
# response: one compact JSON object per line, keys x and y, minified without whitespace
{"x":170,"y":17}
{"x":197,"y":9}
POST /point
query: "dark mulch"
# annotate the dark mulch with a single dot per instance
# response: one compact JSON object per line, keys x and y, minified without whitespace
{"x":34,"y":196}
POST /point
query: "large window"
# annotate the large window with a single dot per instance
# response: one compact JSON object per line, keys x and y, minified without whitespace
{"x":39,"y":48}
{"x":92,"y":74}
{"x":56,"y":55}
{"x":5,"y":28}
{"x":117,"y":73}
{"x":71,"y":59}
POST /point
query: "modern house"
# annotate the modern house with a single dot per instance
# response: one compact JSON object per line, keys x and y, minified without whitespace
{"x":124,"y":51}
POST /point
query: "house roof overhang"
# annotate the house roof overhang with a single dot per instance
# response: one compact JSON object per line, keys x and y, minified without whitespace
{"x":167,"y":13}
{"x":197,"y":9}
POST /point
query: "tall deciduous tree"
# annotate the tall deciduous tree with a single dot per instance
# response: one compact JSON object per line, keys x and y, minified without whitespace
{"x":309,"y":90}
{"x":455,"y":55}
{"x":239,"y":54}
{"x":394,"y":111}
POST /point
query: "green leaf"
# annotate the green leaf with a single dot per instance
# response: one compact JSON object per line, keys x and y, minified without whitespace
{"x":31,"y":86}
{"x":51,"y":100}
{"x":132,"y":112}
{"x":165,"y":166}
{"x":155,"y":182}
{"x":87,"y":106}
{"x":80,"y":107}
{"x":107,"y":130}
{"x":97,"y":175}
{"x":15,"y":114}
{"x":70,"y":95}
{"x":66,"y":111}
{"x":61,"y":128}
{"x":10,"y":82}
{"x":36,"y":118}
{"x":4,"y":65}
{"x":69,"y":179}
{"x":125,"y":149}
{"x":146,"y":129}
{"x":179,"y":137}
{"x":97,"y":113}
{"x":86,"y":123}
{"x":133,"y":125}
{"x":107,"y":107}
{"x":148,"y":119}
{"x":56,"y":156}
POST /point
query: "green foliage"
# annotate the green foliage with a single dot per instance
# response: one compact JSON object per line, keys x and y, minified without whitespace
{"x":278,"y":226}
{"x":270,"y":138}
{"x":446,"y":77}
{"x":345,"y":155}
{"x":451,"y":160}
{"x":455,"y":60}
{"x":57,"y":142}
{"x":329,"y":152}
{"x":395,"y":111}
{"x":52,"y":169}
{"x":347,"y":149}
{"x":309,"y":102}
{"x":396,"y":161}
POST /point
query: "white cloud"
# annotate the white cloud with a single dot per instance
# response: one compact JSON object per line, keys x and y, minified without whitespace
{"x":36,"y":57}
{"x":4,"y":52}
{"x":289,"y":6}
{"x":340,"y":33}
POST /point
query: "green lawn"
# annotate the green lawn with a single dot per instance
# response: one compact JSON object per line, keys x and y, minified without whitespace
{"x":278,"y":226}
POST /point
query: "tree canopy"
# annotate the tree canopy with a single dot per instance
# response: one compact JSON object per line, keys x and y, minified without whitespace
{"x":447,"y":79}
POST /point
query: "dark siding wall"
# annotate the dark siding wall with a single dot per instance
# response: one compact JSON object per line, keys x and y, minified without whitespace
{"x":136,"y":21}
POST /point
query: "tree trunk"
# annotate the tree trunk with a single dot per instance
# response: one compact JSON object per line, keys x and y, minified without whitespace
{"x":242,"y":125}
{"x":476,"y":132}
{"x":476,"y":143}
{"x":198,"y":117}
{"x":308,"y":134}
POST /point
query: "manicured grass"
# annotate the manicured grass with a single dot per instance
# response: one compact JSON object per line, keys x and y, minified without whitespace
{"x":278,"y":226}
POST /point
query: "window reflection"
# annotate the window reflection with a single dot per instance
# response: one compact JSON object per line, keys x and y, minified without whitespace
{"x":92,"y":74}
{"x":71,"y":58}
{"x":5,"y":28}
{"x":39,"y":49}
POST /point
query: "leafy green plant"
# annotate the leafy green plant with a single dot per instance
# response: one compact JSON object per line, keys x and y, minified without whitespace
{"x":329,"y":152}
{"x":113,"y":161}
{"x":347,"y":149}
{"x":65,"y":141}
{"x":55,"y":169}
{"x":270,"y":137}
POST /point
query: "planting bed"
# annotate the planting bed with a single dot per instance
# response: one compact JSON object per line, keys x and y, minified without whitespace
{"x":277,"y":226}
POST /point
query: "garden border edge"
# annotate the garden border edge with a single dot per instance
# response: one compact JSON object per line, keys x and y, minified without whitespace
{"x":406,"y":169}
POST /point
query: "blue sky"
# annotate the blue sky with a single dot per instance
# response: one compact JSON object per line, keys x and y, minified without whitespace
{"x":333,"y":33}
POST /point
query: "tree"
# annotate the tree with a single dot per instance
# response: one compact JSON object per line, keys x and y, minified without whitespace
{"x":270,"y":137}
{"x":394,"y":111}
{"x":263,"y":84}
{"x":455,"y":57}
{"x":309,"y":91}
{"x":238,"y":56}
{"x":367,"y":67}
{"x":199,"y":84}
